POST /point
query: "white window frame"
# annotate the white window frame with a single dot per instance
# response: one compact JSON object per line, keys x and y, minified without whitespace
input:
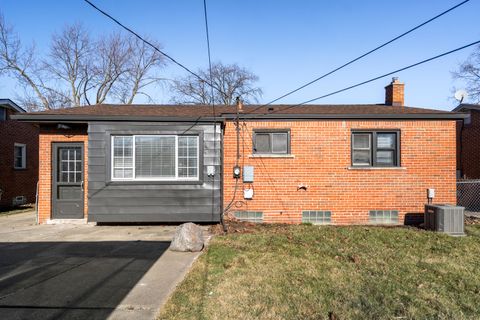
{"x":24,"y":155}
{"x":175,"y":178}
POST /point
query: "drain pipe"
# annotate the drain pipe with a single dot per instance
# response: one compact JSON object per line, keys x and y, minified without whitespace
{"x":36,"y":204}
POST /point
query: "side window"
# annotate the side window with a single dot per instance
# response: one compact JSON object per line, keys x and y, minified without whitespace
{"x":271,"y":141}
{"x":3,"y":114}
{"x":20,"y":156}
{"x":376,"y":148}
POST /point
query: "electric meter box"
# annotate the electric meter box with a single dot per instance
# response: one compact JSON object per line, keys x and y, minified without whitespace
{"x":248,"y":174}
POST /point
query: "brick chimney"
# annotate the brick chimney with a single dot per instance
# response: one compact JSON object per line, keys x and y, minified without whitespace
{"x":394,"y":93}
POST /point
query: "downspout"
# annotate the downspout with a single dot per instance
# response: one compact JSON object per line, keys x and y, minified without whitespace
{"x":36,"y":204}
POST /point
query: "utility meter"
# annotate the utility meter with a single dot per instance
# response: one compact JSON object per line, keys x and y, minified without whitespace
{"x":236,"y":172}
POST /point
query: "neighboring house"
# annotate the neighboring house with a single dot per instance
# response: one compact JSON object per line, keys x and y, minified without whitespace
{"x":339,"y":164}
{"x":468,"y":142}
{"x":18,"y":157}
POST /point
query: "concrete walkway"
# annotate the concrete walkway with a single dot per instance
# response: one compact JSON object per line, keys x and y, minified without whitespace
{"x":85,"y":271}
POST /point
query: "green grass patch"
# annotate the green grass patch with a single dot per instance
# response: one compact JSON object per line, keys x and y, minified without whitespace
{"x":311,"y":272}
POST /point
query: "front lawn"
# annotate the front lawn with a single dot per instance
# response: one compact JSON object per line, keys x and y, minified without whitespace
{"x":310,"y":272}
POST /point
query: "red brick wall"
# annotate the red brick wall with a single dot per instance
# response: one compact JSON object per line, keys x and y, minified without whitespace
{"x":469,"y":147}
{"x":395,"y":94}
{"x":321,"y":160}
{"x":47,"y":138}
{"x":18,"y":182}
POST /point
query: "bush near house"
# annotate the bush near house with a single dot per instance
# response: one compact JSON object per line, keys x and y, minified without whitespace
{"x":310,"y":272}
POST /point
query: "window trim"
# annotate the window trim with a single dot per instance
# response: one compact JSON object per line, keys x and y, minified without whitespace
{"x":175,"y":179}
{"x":373,"y":148}
{"x":24,"y":156}
{"x":271,"y":132}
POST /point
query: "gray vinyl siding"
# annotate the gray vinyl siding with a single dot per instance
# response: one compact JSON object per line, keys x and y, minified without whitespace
{"x":152,"y":201}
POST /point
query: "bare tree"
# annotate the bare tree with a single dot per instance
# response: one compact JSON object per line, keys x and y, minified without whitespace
{"x":19,"y":62}
{"x":140,"y":71}
{"x":79,"y":69}
{"x":469,"y":72}
{"x":70,"y":57}
{"x":230,"y":81}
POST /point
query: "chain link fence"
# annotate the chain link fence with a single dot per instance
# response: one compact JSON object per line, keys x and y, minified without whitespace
{"x":468,"y":195}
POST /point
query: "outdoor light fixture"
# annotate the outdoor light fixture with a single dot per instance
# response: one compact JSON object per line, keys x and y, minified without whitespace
{"x":236,"y":172}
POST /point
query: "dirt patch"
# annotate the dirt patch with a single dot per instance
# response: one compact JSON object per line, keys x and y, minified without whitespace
{"x":237,"y":226}
{"x":472,"y":220}
{"x":233,"y":226}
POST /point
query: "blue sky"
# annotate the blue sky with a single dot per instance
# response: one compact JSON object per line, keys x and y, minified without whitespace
{"x":285,"y":42}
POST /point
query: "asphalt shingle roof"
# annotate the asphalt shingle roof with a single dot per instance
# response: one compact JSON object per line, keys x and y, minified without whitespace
{"x":190,"y":111}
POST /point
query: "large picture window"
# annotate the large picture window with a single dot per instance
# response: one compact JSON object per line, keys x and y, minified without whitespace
{"x":376,"y":148}
{"x":155,"y":157}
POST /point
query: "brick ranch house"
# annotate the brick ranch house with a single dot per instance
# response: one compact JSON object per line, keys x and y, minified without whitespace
{"x":338,"y":164}
{"x":468,"y":146}
{"x":18,"y":157}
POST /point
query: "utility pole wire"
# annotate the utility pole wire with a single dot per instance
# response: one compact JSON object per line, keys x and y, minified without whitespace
{"x":373,"y":79}
{"x":362,"y":56}
{"x":214,"y":113}
{"x":153,"y":46}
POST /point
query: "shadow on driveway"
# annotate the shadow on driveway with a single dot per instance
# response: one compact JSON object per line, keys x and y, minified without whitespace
{"x":71,"y":280}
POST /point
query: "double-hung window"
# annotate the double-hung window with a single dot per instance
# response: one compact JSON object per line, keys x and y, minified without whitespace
{"x":376,"y":148}
{"x":155,"y":157}
{"x":19,"y":156}
{"x":271,"y":142}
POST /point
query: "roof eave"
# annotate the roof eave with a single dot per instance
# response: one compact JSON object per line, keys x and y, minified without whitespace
{"x":12,"y":105}
{"x":466,"y":106}
{"x":425,"y":116}
{"x":89,"y":118}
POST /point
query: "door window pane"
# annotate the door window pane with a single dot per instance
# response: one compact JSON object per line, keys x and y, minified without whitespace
{"x":69,"y":164}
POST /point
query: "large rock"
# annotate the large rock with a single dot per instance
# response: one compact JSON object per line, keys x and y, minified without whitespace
{"x":188,"y":237}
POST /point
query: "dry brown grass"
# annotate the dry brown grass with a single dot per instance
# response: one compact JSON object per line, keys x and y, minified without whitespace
{"x":309,"y":272}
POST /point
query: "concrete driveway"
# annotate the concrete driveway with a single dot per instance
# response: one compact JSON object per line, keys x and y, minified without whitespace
{"x":85,"y":271}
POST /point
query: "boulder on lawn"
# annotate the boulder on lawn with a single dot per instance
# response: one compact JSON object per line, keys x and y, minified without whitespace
{"x":188,"y":238}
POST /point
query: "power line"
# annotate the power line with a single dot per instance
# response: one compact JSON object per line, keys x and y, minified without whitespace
{"x":362,"y":56}
{"x":152,"y":45}
{"x":375,"y":78}
{"x":207,"y":33}
{"x":209,"y":56}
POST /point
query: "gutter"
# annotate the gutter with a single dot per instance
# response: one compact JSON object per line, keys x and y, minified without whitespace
{"x":223,"y":117}
{"x":88,"y":118}
{"x":399,"y":116}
